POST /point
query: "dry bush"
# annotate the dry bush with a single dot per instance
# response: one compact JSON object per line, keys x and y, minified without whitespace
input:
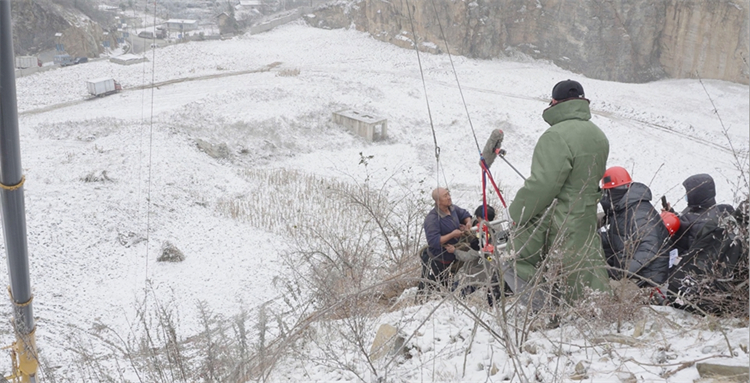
{"x":288,"y":72}
{"x":97,"y":176}
{"x":154,"y":350}
{"x":353,"y":267}
{"x":283,"y":199}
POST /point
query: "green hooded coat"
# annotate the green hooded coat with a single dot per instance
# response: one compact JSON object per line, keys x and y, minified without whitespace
{"x":568,"y":163}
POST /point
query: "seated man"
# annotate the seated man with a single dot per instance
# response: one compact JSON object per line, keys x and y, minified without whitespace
{"x":443,"y":226}
{"x":709,"y":265}
{"x":700,"y":190}
{"x":634,"y":238}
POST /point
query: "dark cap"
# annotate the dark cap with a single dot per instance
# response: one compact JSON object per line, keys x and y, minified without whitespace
{"x":479,"y":213}
{"x":564,"y":90}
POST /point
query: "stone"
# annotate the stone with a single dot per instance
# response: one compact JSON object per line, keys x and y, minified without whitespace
{"x":580,"y":371}
{"x":170,"y":253}
{"x":639,"y":327}
{"x":530,"y":348}
{"x":218,"y":151}
{"x":493,"y":370}
{"x":580,"y":368}
{"x":626,"y":377}
{"x":387,"y":341}
{"x":727,"y":373}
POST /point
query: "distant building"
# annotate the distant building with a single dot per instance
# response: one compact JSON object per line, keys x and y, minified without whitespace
{"x":371,"y":127}
{"x":181,"y":25}
{"x":108,"y":8}
{"x":251,"y":4}
{"x":226,"y":23}
{"x":128,"y":59}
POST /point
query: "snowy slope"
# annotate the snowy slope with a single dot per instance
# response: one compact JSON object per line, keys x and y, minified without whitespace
{"x":93,"y":245}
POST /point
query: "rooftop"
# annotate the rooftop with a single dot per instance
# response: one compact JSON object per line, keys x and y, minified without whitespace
{"x":361,"y":116}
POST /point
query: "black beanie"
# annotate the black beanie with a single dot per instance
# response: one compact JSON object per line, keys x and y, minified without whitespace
{"x":701,"y":190}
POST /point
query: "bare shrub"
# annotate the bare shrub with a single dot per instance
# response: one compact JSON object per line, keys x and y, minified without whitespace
{"x":170,"y":253}
{"x":283,"y":199}
{"x":154,"y":350}
{"x":353,"y":267}
{"x":288,"y":72}
{"x":97,"y":176}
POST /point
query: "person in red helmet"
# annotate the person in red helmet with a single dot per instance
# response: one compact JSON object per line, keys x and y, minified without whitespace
{"x":634,"y":237}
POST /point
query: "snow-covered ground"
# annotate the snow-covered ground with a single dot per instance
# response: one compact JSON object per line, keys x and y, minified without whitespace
{"x":110,"y":180}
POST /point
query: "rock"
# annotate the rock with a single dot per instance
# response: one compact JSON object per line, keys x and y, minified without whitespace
{"x":580,"y":371}
{"x":580,"y":368}
{"x":218,"y":151}
{"x":36,"y":22}
{"x":530,"y":348}
{"x":707,"y":349}
{"x":493,"y":370}
{"x":727,"y":373}
{"x":626,"y":377}
{"x":627,"y":40}
{"x":639,"y":327}
{"x":170,"y":253}
{"x":387,"y":341}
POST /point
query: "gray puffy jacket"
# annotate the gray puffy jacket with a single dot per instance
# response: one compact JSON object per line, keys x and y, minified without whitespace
{"x":636,"y":239}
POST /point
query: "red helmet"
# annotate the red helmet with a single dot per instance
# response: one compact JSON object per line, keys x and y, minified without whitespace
{"x":614,"y":177}
{"x":671,"y":221}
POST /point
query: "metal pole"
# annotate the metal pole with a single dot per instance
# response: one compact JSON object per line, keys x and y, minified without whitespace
{"x":511,"y":165}
{"x":12,"y":206}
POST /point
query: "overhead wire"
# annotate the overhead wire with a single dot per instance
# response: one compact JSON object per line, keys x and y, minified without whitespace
{"x":150,"y":146}
{"x":455,"y":74}
{"x":427,"y":100}
{"x":485,"y":169}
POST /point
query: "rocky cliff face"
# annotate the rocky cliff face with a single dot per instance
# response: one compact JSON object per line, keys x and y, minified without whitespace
{"x":621,"y":40}
{"x":35,"y":24}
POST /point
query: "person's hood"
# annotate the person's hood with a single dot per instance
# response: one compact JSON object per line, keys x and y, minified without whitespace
{"x":573,"y":109}
{"x":701,"y":190}
{"x":619,"y":198}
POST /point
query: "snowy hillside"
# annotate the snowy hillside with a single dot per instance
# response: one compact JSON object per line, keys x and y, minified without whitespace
{"x":230,"y":148}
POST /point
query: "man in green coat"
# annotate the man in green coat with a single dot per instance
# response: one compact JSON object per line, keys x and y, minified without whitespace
{"x":555,"y":210}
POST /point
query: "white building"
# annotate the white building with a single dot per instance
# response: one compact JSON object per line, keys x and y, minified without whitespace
{"x":251,"y":4}
{"x":181,"y":25}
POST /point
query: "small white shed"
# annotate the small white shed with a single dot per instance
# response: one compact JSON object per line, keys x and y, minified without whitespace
{"x":371,"y":127}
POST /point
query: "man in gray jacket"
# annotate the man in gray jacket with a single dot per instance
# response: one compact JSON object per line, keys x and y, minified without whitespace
{"x":636,"y":241}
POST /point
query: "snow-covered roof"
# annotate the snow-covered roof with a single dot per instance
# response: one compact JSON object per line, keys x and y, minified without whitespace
{"x":129,"y":56}
{"x":181,"y":21}
{"x":360,"y":116}
{"x":250,"y":3}
{"x":100,"y":79}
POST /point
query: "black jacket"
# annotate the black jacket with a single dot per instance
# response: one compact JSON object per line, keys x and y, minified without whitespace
{"x":636,"y":239}
{"x":702,"y":208}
